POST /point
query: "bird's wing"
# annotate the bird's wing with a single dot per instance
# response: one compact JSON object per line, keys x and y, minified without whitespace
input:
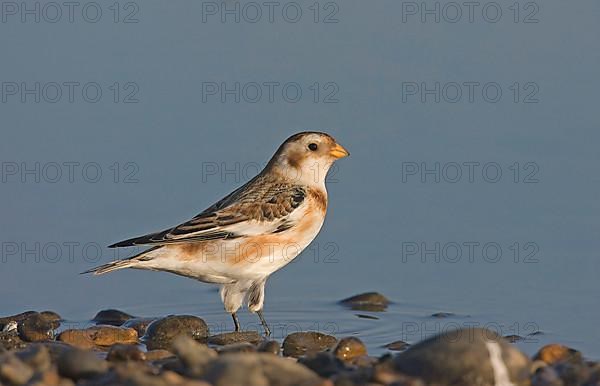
{"x":255,"y":209}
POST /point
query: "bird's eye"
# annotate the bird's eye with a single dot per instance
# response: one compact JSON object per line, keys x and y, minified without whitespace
{"x":312,"y":147}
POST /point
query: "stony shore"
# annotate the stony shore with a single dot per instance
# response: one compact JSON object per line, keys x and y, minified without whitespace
{"x":179,"y":350}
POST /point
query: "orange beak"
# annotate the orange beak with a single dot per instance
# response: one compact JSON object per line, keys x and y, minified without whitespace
{"x":338,"y":151}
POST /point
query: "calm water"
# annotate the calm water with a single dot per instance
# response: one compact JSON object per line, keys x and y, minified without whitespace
{"x":472,"y":187}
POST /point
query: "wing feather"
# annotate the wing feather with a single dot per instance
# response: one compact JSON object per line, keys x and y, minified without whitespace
{"x":259,"y":207}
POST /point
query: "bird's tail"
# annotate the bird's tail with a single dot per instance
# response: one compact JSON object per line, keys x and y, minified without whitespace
{"x":113,"y":266}
{"x":120,"y":264}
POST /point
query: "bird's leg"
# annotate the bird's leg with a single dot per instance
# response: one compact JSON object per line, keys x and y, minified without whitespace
{"x":264,"y":323}
{"x":236,"y":322}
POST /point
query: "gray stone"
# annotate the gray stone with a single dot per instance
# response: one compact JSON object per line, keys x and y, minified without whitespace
{"x":235,"y":337}
{"x":111,"y":317}
{"x":13,"y":371}
{"x":37,"y":327}
{"x":162,"y":332}
{"x":368,"y":301}
{"x":469,"y":356}
{"x":79,"y":364}
{"x":259,"y":369}
{"x":310,"y":342}
{"x":194,"y":356}
{"x":270,"y":346}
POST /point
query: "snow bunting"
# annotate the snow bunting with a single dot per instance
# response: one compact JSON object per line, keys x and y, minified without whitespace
{"x":257,"y":229}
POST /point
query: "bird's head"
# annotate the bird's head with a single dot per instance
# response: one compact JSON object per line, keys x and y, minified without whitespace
{"x":306,"y":157}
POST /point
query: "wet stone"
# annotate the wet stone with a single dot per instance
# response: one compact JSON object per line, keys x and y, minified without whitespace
{"x":298,"y":344}
{"x":15,"y":318}
{"x":235,"y":337}
{"x":111,"y":317}
{"x":368,"y":301}
{"x":37,"y":327}
{"x":125,"y":352}
{"x":442,"y":315}
{"x":11,"y":341}
{"x":36,"y":356}
{"x":323,"y":363}
{"x":555,"y":353}
{"x":162,"y":332}
{"x":546,"y":376}
{"x":155,"y":355}
{"x":513,"y":338}
{"x":464,"y":357}
{"x":78,"y":364}
{"x":398,"y":345}
{"x":49,"y":378}
{"x":139,"y":324}
{"x":13,"y":370}
{"x":99,"y":336}
{"x":241,"y":347}
{"x":259,"y":369}
{"x":349,"y":348}
{"x":573,"y":373}
{"x":270,"y":346}
{"x":194,"y":356}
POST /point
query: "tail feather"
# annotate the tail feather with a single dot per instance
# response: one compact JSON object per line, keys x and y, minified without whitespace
{"x":120,"y":264}
{"x":115,"y":265}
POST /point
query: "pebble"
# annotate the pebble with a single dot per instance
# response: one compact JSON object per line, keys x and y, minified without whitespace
{"x":259,"y":369}
{"x":104,"y":335}
{"x":125,"y":352}
{"x":235,"y":337}
{"x":78,"y":364}
{"x":194,"y":356}
{"x":162,"y":332}
{"x":139,"y":324}
{"x":241,"y":347}
{"x":111,"y":317}
{"x":349,"y":349}
{"x":270,"y":346}
{"x":513,"y":338}
{"x":555,"y":353}
{"x":323,"y":363}
{"x":298,"y":344}
{"x":36,"y":356}
{"x":37,"y":327}
{"x":15,"y":318}
{"x":155,"y":355}
{"x":398,"y":345}
{"x":441,"y":315}
{"x":464,"y":357}
{"x":368,"y":301}
{"x":10,"y":341}
{"x":546,"y":376}
{"x":14,"y":371}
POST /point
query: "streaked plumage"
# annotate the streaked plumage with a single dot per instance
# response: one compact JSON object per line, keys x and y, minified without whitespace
{"x":252,"y":232}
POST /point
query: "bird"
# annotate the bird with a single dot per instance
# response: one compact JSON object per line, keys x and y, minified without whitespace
{"x":257,"y":229}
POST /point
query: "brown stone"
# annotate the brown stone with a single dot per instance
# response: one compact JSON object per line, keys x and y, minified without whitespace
{"x":99,"y":336}
{"x":298,"y":344}
{"x":125,"y":352}
{"x":555,"y":353}
{"x":350,"y":348}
